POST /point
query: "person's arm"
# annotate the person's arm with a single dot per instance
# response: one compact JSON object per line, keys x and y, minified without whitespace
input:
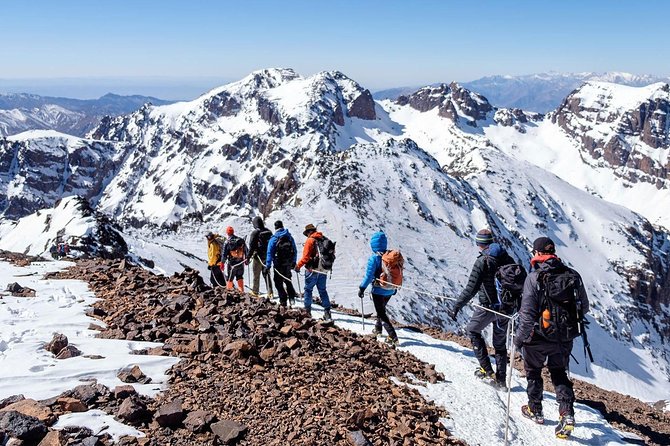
{"x":370,"y":271}
{"x":271,"y":252}
{"x":295,"y":252}
{"x":474,"y":283}
{"x":306,"y":253}
{"x":529,"y":311}
{"x":253,"y":242}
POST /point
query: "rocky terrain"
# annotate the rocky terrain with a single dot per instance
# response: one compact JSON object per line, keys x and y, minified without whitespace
{"x":250,"y":372}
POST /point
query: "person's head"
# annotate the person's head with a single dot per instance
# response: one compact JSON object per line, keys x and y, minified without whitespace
{"x":258,"y":222}
{"x":209,"y":235}
{"x":484,"y":238}
{"x":230,"y":231}
{"x":309,"y":230}
{"x":279,"y":225}
{"x":544,"y":245}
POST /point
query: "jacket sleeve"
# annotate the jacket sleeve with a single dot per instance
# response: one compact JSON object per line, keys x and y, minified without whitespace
{"x":214,"y":253}
{"x":271,"y":251}
{"x":295,"y":251}
{"x":474,"y":283}
{"x":246,"y":251}
{"x":370,"y":271}
{"x":253,"y":242}
{"x":226,"y":251}
{"x":529,"y":311}
{"x":306,"y":252}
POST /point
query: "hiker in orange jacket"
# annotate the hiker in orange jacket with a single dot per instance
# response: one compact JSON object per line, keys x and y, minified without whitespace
{"x":315,"y":274}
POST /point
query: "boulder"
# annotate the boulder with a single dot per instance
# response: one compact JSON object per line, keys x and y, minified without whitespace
{"x":198,"y":421}
{"x":58,"y":343}
{"x":121,"y":392}
{"x":71,"y":405}
{"x":133,"y":375}
{"x":69,"y":351}
{"x":32,"y":408}
{"x":228,"y":431}
{"x":170,"y":414}
{"x":133,"y":410}
{"x":53,"y":438}
{"x":21,"y":426}
{"x":11,"y":399}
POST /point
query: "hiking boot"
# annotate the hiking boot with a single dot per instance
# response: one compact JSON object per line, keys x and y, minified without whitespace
{"x":291,"y":300}
{"x":500,"y":384}
{"x":327,"y":316}
{"x":254,"y":294}
{"x":566,"y":424}
{"x":308,"y":312}
{"x":482,"y":374}
{"x":393,"y":342}
{"x":377,"y":331}
{"x":535,"y":416}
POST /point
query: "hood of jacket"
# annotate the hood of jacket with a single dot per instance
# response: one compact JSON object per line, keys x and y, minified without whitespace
{"x":316,"y":234}
{"x":281,"y":232}
{"x":552,"y":264}
{"x":258,"y":223}
{"x":378,"y":242}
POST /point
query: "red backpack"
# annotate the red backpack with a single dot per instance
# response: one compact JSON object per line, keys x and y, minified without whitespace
{"x":392,"y":267}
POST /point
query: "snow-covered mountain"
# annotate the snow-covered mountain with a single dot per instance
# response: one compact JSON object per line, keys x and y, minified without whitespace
{"x":22,"y":112}
{"x":544,"y":92}
{"x":430,"y":169}
{"x":39,"y":167}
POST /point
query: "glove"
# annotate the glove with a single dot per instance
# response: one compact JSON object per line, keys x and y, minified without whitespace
{"x":266,"y":270}
{"x":246,"y":261}
{"x":292,"y":265}
{"x":361,"y":292}
{"x":296,"y":269}
{"x":453,"y":313}
{"x":209,"y":267}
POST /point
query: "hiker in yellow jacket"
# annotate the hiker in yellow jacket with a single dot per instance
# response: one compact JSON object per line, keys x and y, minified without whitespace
{"x":214,"y":259}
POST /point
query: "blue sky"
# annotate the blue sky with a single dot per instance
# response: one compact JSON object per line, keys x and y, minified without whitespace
{"x":199,"y":44}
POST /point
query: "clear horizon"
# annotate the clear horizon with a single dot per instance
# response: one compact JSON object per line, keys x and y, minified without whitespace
{"x":177,"y":50}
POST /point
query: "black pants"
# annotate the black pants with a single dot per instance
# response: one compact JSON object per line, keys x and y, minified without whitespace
{"x":382,"y":318}
{"x":216,"y":276}
{"x":284,"y":285}
{"x":558,"y":358}
{"x":235,"y":269}
{"x":480,"y":320}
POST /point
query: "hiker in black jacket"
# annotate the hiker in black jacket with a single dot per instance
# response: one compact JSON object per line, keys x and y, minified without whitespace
{"x":481,"y":282}
{"x":258,"y":248}
{"x":541,"y":338}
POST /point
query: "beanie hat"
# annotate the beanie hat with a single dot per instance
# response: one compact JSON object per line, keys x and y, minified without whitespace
{"x":484,"y":237}
{"x":209,"y":235}
{"x":544,"y":244}
{"x":230,"y":230}
{"x":279,"y":224}
{"x":309,"y":229}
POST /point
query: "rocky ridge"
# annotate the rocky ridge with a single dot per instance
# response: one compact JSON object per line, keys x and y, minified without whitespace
{"x":277,"y":374}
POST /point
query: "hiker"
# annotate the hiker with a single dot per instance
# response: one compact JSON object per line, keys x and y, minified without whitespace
{"x":214,"y":247}
{"x":235,"y":256}
{"x":381,"y":290}
{"x":317,"y":262}
{"x":283,"y":254}
{"x":552,"y":310}
{"x":481,"y":281}
{"x":258,"y":247}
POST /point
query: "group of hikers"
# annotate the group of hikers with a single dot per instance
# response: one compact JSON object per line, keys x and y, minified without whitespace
{"x":548,"y":303}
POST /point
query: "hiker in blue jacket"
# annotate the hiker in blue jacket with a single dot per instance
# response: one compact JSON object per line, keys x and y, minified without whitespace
{"x":380,"y":296}
{"x":283,"y":252}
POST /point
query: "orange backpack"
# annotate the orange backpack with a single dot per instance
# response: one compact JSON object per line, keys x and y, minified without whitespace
{"x":392,"y":266}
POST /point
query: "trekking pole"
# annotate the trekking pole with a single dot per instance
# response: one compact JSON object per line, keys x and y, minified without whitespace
{"x":362,"y":315}
{"x":299,"y":290}
{"x":509,"y":378}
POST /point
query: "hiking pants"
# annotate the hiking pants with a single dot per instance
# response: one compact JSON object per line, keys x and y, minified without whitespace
{"x":313,"y":279}
{"x":216,"y":276}
{"x":382,"y":318}
{"x":235,"y":269}
{"x":558,"y":358}
{"x":284,"y":284}
{"x":257,"y":269}
{"x":480,"y":320}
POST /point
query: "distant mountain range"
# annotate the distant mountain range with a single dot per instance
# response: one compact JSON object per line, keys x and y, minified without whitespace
{"x":534,"y":92}
{"x":21,"y":112}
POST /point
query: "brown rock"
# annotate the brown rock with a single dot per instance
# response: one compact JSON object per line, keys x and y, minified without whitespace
{"x":71,"y":405}
{"x":58,"y":343}
{"x":239,"y":346}
{"x":133,"y":375}
{"x":198,"y":421}
{"x":292,"y":343}
{"x":133,"y":410}
{"x":53,"y":438}
{"x":356,"y":438}
{"x":11,"y":399}
{"x":121,"y":392}
{"x":228,"y":431}
{"x":69,"y":351}
{"x":170,"y":414}
{"x":32,"y":408}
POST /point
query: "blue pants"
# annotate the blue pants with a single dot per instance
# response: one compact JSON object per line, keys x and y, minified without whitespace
{"x":318,"y":279}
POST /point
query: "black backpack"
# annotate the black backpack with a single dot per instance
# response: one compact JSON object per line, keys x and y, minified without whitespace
{"x":509,"y":280}
{"x":325,"y":249}
{"x":559,"y":297}
{"x":264,"y":237}
{"x":284,"y":251}
{"x":235,"y":247}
